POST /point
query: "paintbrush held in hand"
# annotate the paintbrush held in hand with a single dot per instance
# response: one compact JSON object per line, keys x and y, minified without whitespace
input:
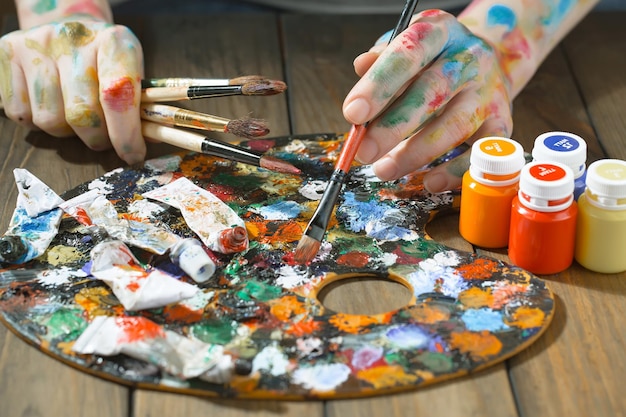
{"x":199,"y":143}
{"x":193,"y":92}
{"x":311,"y":240}
{"x":245,"y":128}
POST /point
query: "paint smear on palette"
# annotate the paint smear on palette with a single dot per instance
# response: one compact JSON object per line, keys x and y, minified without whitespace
{"x":258,"y":307}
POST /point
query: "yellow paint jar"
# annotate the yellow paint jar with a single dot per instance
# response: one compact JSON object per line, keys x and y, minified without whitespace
{"x":488,"y":189}
{"x":601,"y":225}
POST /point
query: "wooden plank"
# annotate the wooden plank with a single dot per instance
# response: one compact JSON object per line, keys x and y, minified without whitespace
{"x":595,"y":51}
{"x":152,"y":403}
{"x":320,"y":51}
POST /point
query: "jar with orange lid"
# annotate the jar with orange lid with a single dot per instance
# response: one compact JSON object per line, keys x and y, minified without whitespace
{"x":488,"y":189}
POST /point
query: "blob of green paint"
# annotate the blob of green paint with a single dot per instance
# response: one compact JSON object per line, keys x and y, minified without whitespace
{"x":65,"y":323}
{"x":436,"y":362}
{"x":259,"y":291}
{"x":217,"y":332}
{"x":45,"y":6}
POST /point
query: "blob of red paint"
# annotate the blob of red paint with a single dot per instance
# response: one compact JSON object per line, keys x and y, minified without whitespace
{"x":354,"y":259}
{"x":86,"y":8}
{"x":182,"y":313}
{"x":261,"y":145}
{"x":403,"y":258}
{"x":138,"y":328}
{"x":120,"y":95}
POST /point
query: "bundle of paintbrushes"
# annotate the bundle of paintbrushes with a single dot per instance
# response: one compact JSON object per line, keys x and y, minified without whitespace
{"x":160,"y":120}
{"x":163,"y":116}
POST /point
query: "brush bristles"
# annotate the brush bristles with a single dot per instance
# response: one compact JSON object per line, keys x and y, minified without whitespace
{"x":263,"y":88}
{"x":247,"y":128}
{"x":278,"y":165}
{"x":307,"y":249}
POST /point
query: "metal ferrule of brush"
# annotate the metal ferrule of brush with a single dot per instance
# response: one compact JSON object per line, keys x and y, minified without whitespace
{"x":327,"y":205}
{"x":213,"y":91}
{"x":228,"y":151}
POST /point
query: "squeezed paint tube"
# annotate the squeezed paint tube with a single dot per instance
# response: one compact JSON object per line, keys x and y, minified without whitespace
{"x":75,"y":206}
{"x":133,"y":232}
{"x":216,"y":224}
{"x":135,"y":287}
{"x":143,"y":339}
{"x":188,"y":254}
{"x":35,"y":221}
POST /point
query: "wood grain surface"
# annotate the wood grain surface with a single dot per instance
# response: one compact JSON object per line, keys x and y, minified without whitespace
{"x":576,"y":368}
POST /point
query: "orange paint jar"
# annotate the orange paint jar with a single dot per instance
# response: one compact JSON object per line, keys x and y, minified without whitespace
{"x":543,"y":219}
{"x":488,"y":189}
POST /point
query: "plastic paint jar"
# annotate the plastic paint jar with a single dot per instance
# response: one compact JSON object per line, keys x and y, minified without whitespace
{"x":601,"y":227}
{"x":488,"y":189}
{"x":566,"y":148}
{"x":543,"y":219}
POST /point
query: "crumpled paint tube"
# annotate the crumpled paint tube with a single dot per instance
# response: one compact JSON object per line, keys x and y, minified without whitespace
{"x":216,"y":224}
{"x":35,"y":221}
{"x":75,"y":206}
{"x":188,"y":254}
{"x":135,"y":287}
{"x":136,"y":233}
{"x":143,"y":339}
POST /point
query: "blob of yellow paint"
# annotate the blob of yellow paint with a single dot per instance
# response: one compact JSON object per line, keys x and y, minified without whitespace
{"x":61,"y":255}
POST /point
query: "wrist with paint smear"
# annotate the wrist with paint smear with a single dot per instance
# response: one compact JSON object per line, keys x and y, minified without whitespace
{"x":522,"y":33}
{"x":33,"y":13}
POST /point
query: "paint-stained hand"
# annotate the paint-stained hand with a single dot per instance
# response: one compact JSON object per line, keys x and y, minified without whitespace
{"x":80,"y":76}
{"x":435,"y":86}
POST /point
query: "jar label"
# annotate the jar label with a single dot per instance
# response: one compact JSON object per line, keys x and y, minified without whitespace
{"x":561,"y":143}
{"x":612,"y":171}
{"x":497,"y":147}
{"x":547,"y":172}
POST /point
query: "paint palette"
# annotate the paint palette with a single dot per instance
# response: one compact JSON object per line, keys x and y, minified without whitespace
{"x":467,"y":311}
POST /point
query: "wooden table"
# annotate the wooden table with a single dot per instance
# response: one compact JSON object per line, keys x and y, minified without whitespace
{"x":577,"y":368}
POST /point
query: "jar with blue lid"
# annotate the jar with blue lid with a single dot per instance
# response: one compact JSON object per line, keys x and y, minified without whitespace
{"x":566,"y":148}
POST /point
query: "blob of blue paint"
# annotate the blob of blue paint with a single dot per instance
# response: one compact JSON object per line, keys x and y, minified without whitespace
{"x":408,"y":336}
{"x":477,"y":320}
{"x":499,"y":15}
{"x":283,"y":210}
{"x":357,"y":214}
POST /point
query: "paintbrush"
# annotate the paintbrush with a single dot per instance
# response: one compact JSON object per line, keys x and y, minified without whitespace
{"x":312,"y":238}
{"x":199,"y":143}
{"x":161,"y":113}
{"x":192,"y":92}
{"x":186,"y":82}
